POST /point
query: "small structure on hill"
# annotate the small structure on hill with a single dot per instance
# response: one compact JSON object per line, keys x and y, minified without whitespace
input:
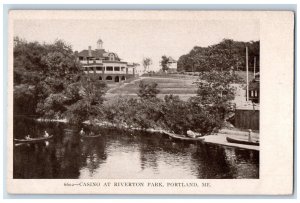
{"x":172,"y":64}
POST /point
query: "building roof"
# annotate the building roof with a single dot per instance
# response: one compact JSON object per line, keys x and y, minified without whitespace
{"x":107,"y":61}
{"x":98,"y":53}
{"x":171,"y":60}
{"x":133,"y":64}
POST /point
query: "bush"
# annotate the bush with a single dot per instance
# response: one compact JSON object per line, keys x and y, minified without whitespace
{"x":147,"y":90}
{"x":171,"y":114}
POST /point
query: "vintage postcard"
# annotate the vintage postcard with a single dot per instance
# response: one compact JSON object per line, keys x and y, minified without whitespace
{"x":150,"y":102}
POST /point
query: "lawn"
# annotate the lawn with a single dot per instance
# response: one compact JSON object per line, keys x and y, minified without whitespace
{"x":181,"y":85}
{"x":165,"y":86}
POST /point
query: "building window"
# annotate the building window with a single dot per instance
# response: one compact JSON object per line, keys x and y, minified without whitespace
{"x":255,"y":93}
{"x":117,"y":68}
{"x":108,"y":78}
{"x":109,"y":68}
{"x":123,"y":77}
{"x":111,"y":57}
{"x":122,"y":68}
{"x":100,"y":78}
{"x":99,"y":68}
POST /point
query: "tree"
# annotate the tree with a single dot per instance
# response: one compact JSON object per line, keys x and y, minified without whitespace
{"x":164,"y":63}
{"x":215,"y":91}
{"x":147,"y":91}
{"x":85,"y":98}
{"x":50,"y":77}
{"x":146,"y":63}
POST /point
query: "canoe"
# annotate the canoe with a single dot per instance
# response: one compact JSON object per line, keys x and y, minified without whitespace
{"x":69,"y":130}
{"x":90,"y":136}
{"x":181,"y":138}
{"x":241,"y":141}
{"x":33,"y":140}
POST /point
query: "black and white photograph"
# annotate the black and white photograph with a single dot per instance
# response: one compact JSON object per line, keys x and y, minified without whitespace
{"x":136,"y":98}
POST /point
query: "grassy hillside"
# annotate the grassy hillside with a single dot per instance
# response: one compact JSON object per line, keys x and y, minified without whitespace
{"x":165,"y":86}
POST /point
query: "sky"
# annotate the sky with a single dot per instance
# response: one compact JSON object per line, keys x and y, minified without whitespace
{"x":134,"y":40}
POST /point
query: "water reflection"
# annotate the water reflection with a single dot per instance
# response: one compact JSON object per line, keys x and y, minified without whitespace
{"x":216,"y":162}
{"x":120,"y":154}
{"x":92,"y":155}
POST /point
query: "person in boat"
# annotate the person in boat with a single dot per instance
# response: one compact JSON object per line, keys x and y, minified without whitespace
{"x":249,"y":135}
{"x":27,"y":137}
{"x":46,"y":134}
{"x":82,"y":132}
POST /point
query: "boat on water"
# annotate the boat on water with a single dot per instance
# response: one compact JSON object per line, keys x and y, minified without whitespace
{"x":90,"y":136}
{"x":241,"y":141}
{"x":33,"y":140}
{"x":69,"y":130}
{"x":177,"y":137}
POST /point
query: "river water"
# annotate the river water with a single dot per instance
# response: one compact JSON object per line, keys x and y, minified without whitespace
{"x":121,"y":154}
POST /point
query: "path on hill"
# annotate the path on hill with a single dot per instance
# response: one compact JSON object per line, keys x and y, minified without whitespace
{"x":123,"y":85}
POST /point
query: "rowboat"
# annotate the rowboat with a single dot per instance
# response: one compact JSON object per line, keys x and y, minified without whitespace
{"x":69,"y":130}
{"x":33,"y":140}
{"x":181,"y":138}
{"x":241,"y":141}
{"x":91,"y":136}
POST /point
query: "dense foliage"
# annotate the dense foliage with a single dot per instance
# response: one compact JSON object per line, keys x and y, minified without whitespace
{"x":49,"y":82}
{"x":170,"y":114}
{"x":221,"y":56}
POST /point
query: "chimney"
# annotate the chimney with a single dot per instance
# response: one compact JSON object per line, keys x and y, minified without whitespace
{"x":76,"y":55}
{"x":90,"y":51}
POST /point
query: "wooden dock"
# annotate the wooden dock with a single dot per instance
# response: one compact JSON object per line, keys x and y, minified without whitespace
{"x":221,"y":139}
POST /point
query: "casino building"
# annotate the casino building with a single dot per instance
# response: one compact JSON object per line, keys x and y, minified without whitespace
{"x":106,"y":66}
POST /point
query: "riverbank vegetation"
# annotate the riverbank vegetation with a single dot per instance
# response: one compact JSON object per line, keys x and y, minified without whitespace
{"x":50,"y":83}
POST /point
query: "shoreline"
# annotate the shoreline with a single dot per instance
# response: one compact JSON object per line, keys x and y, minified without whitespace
{"x":218,"y":138}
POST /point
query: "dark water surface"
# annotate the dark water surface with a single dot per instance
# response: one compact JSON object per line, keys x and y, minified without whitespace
{"x":119,"y":154}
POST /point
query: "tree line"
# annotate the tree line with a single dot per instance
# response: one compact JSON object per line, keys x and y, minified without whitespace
{"x":222,"y":56}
